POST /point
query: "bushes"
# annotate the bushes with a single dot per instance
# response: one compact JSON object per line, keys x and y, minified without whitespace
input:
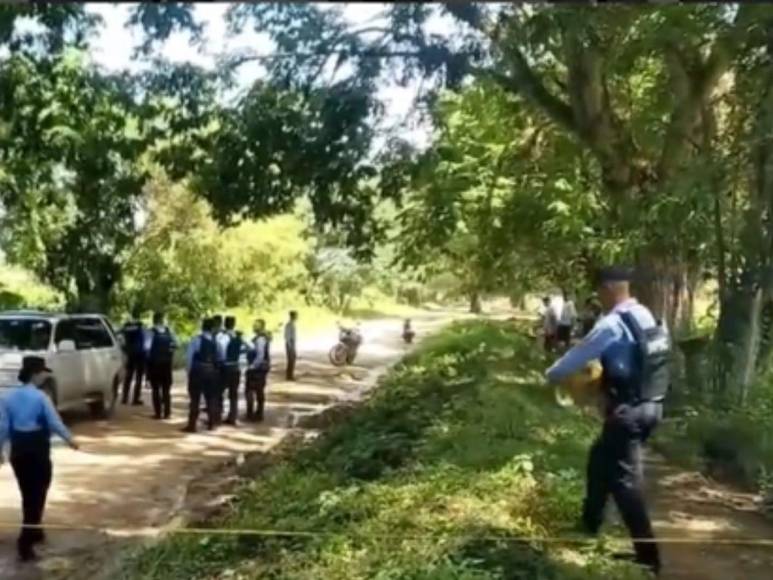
{"x":453,"y":460}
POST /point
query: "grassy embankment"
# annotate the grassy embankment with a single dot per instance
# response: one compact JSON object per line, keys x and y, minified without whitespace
{"x":459,"y":454}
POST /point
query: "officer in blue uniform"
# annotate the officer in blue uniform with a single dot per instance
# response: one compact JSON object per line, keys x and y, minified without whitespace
{"x":634,"y":351}
{"x":27,"y":420}
{"x":203,"y":377}
{"x":259,"y":365}
{"x":232,"y":346}
{"x":160,"y":345}
{"x":133,"y":334}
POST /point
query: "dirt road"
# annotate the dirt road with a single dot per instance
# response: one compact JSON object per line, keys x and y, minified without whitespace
{"x":690,"y":506}
{"x":133,"y":471}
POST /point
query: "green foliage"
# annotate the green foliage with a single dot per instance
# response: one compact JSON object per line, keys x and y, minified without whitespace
{"x":20,"y":289}
{"x":458,"y":455}
{"x":70,"y":150}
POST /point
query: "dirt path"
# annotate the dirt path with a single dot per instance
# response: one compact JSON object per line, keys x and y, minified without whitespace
{"x":134,"y":472}
{"x":688,"y":505}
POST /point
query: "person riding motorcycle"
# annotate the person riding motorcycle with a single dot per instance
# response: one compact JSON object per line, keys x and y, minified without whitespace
{"x":408,"y":332}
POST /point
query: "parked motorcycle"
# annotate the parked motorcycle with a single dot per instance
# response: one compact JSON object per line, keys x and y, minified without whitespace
{"x":345,"y":351}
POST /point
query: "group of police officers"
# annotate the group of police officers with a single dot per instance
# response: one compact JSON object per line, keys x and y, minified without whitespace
{"x":631,"y":344}
{"x":212,"y":363}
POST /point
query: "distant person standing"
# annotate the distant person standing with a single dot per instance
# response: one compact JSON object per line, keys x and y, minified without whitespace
{"x":549,"y":324}
{"x":257,"y":372}
{"x":27,"y":420}
{"x":159,"y":347}
{"x":133,"y":335}
{"x":234,"y":347}
{"x":291,"y":337}
{"x":566,"y":322}
{"x":203,"y":377}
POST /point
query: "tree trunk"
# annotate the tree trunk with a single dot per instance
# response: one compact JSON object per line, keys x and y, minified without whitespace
{"x":666,"y":287}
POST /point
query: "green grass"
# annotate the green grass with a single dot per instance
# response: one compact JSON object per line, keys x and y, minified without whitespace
{"x":455,"y":458}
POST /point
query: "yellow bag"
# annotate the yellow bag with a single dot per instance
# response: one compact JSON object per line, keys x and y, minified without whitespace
{"x":582,"y":388}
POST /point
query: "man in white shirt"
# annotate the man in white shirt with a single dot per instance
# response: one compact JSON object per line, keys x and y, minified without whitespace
{"x":290,"y":345}
{"x":566,"y":322}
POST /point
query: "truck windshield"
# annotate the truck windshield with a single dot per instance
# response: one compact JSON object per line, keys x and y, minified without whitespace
{"x":24,"y":334}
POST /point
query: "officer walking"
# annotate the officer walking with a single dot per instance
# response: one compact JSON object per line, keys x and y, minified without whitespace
{"x":27,"y":420}
{"x":159,"y":349}
{"x":203,"y":377}
{"x":133,"y":334}
{"x":290,"y":345}
{"x":233,"y":345}
{"x":634,"y":350}
{"x":257,"y":372}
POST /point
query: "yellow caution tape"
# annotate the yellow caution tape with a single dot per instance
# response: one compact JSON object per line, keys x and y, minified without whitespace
{"x":156,"y":531}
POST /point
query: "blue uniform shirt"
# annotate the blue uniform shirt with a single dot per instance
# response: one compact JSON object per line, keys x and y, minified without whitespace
{"x":193,"y":348}
{"x":609,"y":329}
{"x":21,"y":411}
{"x":221,"y":341}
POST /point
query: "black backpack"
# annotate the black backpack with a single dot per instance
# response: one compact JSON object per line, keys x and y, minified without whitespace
{"x":651,"y":357}
{"x":161,"y":349}
{"x":234,"y":349}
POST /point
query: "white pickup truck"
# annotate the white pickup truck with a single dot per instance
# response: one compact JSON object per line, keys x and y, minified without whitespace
{"x":82,"y":350}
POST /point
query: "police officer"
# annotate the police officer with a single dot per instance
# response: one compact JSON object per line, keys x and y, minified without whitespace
{"x":203,"y":377}
{"x":257,"y":372}
{"x":233,"y":346}
{"x":27,"y":420}
{"x":634,"y":349}
{"x":159,"y":348}
{"x":133,"y":335}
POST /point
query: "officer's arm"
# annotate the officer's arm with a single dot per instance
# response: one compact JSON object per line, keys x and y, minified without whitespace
{"x":5,"y":427}
{"x":589,"y":349}
{"x":54,"y":421}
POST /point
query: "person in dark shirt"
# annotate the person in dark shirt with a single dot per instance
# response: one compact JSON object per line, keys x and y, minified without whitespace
{"x":27,"y":420}
{"x":234,"y":347}
{"x":133,"y":336}
{"x":203,"y":377}
{"x":159,"y":349}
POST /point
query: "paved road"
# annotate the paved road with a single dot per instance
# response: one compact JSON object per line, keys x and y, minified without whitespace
{"x":133,"y":471}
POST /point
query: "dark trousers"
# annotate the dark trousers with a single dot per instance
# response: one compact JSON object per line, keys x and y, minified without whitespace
{"x":291,"y":356}
{"x":160,"y":376}
{"x":615,"y":467}
{"x":135,"y":369}
{"x":204,"y":383}
{"x":564,"y":335}
{"x":255,"y":391}
{"x":31,"y":463}
{"x":231,"y":377}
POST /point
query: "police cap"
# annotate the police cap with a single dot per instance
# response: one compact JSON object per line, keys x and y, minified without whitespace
{"x":32,"y":365}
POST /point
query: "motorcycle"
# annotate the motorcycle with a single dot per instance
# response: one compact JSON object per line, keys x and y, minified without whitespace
{"x":345,"y":351}
{"x":408,"y":332}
